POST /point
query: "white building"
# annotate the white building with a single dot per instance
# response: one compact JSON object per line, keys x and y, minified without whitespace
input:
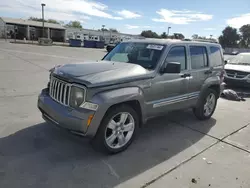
{"x":85,"y":34}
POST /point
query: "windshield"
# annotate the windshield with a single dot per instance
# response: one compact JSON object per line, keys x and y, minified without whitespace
{"x":241,"y":59}
{"x":144,"y":54}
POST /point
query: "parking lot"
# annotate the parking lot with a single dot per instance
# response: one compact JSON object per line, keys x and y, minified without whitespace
{"x":172,"y":151}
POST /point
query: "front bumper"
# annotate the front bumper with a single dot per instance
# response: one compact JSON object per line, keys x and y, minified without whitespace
{"x":64,"y":116}
{"x":237,"y":82}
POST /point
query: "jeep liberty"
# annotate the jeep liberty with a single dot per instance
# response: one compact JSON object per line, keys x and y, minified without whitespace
{"x":109,"y":100}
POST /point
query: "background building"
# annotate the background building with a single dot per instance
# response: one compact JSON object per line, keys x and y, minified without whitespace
{"x":107,"y":36}
{"x":30,"y":29}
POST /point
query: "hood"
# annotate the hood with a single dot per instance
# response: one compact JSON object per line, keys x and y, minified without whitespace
{"x":99,"y":73}
{"x":243,"y":68}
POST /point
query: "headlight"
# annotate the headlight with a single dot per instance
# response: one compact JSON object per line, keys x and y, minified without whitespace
{"x":77,"y":99}
{"x":77,"y":96}
{"x":248,"y":78}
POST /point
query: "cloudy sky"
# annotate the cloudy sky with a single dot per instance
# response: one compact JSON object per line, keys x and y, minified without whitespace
{"x":132,"y":16}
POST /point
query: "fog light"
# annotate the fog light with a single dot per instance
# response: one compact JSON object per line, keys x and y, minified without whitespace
{"x":90,"y":119}
{"x":89,"y":106}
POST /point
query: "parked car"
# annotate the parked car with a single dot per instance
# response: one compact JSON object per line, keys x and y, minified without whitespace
{"x":111,"y":46}
{"x":228,"y":57}
{"x":110,"y":99}
{"x":238,"y":70}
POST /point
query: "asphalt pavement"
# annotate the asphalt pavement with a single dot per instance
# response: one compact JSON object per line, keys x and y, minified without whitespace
{"x":172,"y":151}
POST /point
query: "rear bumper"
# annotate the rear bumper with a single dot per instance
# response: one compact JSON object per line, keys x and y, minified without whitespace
{"x":63,"y":116}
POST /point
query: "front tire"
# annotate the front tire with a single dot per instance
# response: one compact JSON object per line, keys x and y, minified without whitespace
{"x":207,"y":104}
{"x":117,"y":130}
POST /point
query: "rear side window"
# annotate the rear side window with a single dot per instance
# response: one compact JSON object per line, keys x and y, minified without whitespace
{"x":199,"y":58}
{"x":215,"y":56}
{"x":178,"y":54}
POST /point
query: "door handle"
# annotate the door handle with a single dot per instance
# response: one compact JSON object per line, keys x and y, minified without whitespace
{"x":208,"y":72}
{"x":185,"y":75}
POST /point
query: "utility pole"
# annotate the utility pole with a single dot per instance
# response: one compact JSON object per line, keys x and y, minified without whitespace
{"x":168,"y":30}
{"x":43,"y":5}
{"x":103,"y":26}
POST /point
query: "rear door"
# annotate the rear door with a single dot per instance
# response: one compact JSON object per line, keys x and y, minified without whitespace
{"x":199,"y":68}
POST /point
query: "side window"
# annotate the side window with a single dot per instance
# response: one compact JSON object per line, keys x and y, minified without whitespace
{"x":215,"y":56}
{"x":199,"y":58}
{"x":178,"y":54}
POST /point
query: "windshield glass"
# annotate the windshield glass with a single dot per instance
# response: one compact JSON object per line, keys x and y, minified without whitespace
{"x":144,"y":54}
{"x":241,"y":59}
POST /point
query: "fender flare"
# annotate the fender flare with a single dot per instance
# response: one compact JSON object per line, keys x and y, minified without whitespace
{"x":108,"y":98}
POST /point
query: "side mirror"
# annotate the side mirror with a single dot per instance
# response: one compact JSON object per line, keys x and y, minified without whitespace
{"x":225,"y":62}
{"x":171,"y":67}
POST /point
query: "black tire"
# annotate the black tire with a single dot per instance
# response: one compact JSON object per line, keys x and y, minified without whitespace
{"x":199,"y":109}
{"x":99,"y":142}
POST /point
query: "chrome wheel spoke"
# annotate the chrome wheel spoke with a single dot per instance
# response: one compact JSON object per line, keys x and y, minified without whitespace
{"x":205,"y":110}
{"x":211,"y":100}
{"x":110,"y":140}
{"x":121,"y":139}
{"x":112,"y":124}
{"x":123,"y":118}
{"x":128,"y":127}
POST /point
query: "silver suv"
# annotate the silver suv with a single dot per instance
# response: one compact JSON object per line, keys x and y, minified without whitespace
{"x":110,"y":99}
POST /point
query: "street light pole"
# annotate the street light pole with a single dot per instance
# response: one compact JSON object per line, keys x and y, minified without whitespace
{"x":43,"y":17}
{"x":168,"y":30}
{"x":103,"y":26}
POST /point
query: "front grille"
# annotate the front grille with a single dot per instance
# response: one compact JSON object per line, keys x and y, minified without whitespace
{"x":59,"y":91}
{"x":236,"y":74}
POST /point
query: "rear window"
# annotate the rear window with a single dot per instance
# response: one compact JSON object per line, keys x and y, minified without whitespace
{"x":215,"y":56}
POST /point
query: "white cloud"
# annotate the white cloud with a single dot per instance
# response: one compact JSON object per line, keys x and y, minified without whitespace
{"x":132,"y":26}
{"x":59,"y":9}
{"x":137,"y":26}
{"x":209,"y":29}
{"x":181,"y":17}
{"x":239,"y":21}
{"x":128,"y":14}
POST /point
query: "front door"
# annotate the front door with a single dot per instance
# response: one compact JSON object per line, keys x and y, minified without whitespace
{"x":168,"y":90}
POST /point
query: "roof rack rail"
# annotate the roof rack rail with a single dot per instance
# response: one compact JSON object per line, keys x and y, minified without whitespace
{"x":202,"y":40}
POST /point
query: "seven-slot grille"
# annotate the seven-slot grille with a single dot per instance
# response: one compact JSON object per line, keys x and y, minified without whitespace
{"x":59,"y":91}
{"x":236,"y":74}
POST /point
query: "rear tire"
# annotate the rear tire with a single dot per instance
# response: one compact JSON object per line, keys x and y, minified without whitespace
{"x":117,"y":129}
{"x":207,"y":105}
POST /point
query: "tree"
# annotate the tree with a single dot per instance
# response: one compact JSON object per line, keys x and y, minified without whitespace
{"x":195,"y":36}
{"x":229,"y":37}
{"x":113,"y":30}
{"x":53,"y":21}
{"x":164,"y":35}
{"x":74,"y":24}
{"x":40,"y":20}
{"x":149,"y":34}
{"x":36,"y":19}
{"x":202,"y":37}
{"x":245,"y":36}
{"x":179,"y":36}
